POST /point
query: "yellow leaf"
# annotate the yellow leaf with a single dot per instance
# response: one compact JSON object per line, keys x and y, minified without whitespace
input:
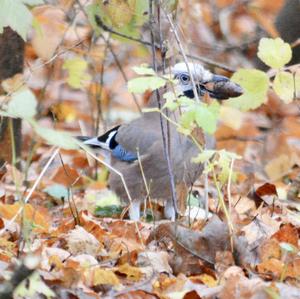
{"x":208,"y":280}
{"x":120,"y":12}
{"x":55,"y":262}
{"x":132,"y":273}
{"x":104,"y":276}
{"x":39,"y":219}
{"x":76,"y":68}
{"x":64,"y":112}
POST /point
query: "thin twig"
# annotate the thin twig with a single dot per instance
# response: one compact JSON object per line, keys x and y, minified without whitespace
{"x":147,"y":43}
{"x":145,"y":183}
{"x":158,"y":99}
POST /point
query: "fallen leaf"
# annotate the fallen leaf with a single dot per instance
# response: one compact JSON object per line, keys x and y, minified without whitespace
{"x":39,"y":217}
{"x":100,"y":276}
{"x":79,"y":241}
{"x":67,"y":176}
{"x":272,"y":267}
{"x":132,"y":273}
{"x":287,"y":233}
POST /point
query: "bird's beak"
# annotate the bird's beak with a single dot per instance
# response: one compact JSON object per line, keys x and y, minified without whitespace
{"x":220,"y":88}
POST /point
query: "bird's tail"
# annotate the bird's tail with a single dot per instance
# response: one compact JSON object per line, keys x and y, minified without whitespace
{"x":91,"y":142}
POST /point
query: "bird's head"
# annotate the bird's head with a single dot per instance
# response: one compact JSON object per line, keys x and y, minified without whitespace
{"x":217,"y":86}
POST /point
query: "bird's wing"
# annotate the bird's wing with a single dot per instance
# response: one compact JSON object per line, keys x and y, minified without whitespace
{"x":140,"y":134}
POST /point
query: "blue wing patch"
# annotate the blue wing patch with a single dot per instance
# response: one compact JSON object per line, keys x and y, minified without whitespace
{"x":120,"y":153}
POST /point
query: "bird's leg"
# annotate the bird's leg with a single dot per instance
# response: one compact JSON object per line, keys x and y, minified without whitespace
{"x":169,"y":210}
{"x":134,"y":210}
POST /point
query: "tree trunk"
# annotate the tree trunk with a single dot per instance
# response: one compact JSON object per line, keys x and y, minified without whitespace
{"x":11,"y":63}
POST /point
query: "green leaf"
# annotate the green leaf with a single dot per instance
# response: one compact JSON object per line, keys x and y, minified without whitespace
{"x":206,"y":116}
{"x":171,"y":101}
{"x":125,"y":17}
{"x":33,"y":2}
{"x":58,"y":138}
{"x":22,"y":104}
{"x":283,"y":85}
{"x":57,"y":191}
{"x":141,"y":84}
{"x":287,"y":247}
{"x":255,"y":84}
{"x":29,"y":288}
{"x":92,"y":11}
{"x":203,"y":156}
{"x":16,"y":15}
{"x":274,"y":52}
{"x":144,"y":70}
{"x":187,"y":119}
{"x":108,"y":211}
{"x":76,"y":68}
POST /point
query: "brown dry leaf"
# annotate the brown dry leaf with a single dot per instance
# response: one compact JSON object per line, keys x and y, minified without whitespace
{"x":126,"y":233}
{"x":244,"y":205}
{"x":237,"y":286}
{"x":71,"y":275}
{"x":138,"y":294}
{"x":264,"y":22}
{"x":293,"y":269}
{"x":214,"y":237}
{"x":280,"y":166}
{"x":165,"y":284}
{"x":224,"y":260}
{"x":262,"y":227}
{"x":272,"y":267}
{"x":287,"y":233}
{"x":132,"y":273}
{"x":270,"y":249}
{"x":64,"y":227}
{"x":52,"y":26}
{"x":157,"y":261}
{"x":266,"y":189}
{"x":91,"y":225}
{"x":267,"y":5}
{"x":67,"y":176}
{"x":1,"y":223}
{"x":38,"y":216}
{"x":79,"y":241}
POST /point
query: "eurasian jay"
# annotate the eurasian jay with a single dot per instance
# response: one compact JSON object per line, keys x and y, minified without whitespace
{"x":137,"y":146}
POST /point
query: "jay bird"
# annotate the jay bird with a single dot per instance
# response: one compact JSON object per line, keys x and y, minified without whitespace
{"x":143,"y":137}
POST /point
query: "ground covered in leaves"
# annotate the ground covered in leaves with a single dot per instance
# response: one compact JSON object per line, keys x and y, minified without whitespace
{"x":63,"y":233}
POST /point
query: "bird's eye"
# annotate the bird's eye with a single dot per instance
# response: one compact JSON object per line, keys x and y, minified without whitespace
{"x":185,"y":79}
